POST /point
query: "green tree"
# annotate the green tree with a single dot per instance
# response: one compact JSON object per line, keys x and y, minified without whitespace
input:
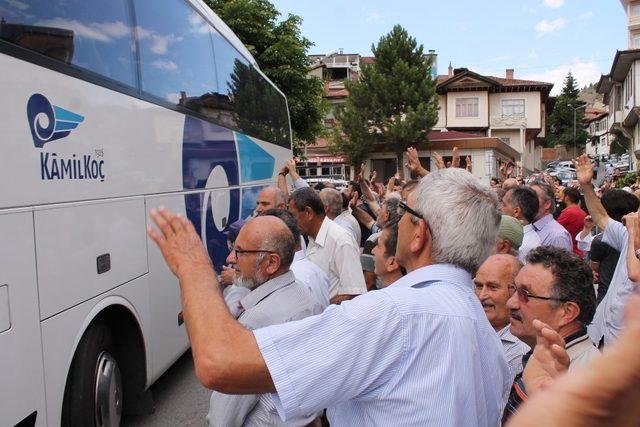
{"x":560,"y":124}
{"x":281,"y":52}
{"x":393,"y":103}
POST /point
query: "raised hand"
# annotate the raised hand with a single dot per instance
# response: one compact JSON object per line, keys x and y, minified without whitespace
{"x":355,"y":201}
{"x":360,"y":177}
{"x":373,"y":177}
{"x":509,"y":170}
{"x":439,"y":161}
{"x":468,"y":161}
{"x":549,"y":360}
{"x":413,"y":162}
{"x":178,"y":241}
{"x":291,"y":166}
{"x":455,"y":162}
{"x":584,"y":169}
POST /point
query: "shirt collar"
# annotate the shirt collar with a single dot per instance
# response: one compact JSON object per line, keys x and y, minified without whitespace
{"x":299,"y":256}
{"x":542,"y":222}
{"x":254,"y":297}
{"x":434,"y":273}
{"x":505,"y":335}
{"x":527,"y":228}
{"x":576,"y":337}
{"x":321,"y":237}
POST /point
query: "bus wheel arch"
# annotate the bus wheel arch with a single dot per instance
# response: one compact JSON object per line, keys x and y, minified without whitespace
{"x":109,"y":363}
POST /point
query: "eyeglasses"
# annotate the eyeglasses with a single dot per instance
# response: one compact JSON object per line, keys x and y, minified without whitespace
{"x":250,"y":251}
{"x":403,"y":208}
{"x":524,"y":296}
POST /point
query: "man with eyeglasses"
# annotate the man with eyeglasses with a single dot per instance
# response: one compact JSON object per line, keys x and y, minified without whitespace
{"x":556,"y":287}
{"x":494,"y":286}
{"x":384,"y":358}
{"x":262,"y":254}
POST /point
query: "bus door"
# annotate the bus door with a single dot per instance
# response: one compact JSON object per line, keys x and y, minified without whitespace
{"x":21,"y":371}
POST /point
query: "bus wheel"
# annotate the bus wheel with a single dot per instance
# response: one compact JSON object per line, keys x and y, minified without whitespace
{"x":93,"y":394}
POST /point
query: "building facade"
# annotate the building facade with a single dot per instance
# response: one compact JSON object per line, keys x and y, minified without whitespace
{"x":492,"y":119}
{"x":596,"y":122}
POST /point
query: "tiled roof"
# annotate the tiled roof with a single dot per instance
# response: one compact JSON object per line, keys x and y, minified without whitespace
{"x":501,"y":80}
{"x":367,"y":59}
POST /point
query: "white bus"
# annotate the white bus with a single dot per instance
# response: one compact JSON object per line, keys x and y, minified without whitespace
{"x":108,"y":109}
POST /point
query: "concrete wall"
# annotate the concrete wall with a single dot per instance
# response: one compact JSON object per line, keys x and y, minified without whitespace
{"x":483,"y":113}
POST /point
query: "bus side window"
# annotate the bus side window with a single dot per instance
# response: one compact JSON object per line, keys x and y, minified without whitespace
{"x":176,"y":54}
{"x":90,"y":34}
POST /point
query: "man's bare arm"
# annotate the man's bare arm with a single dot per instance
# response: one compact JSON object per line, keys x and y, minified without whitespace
{"x":226,"y":355}
{"x":585,"y":176}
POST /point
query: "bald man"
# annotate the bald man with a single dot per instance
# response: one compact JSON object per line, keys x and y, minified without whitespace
{"x":262,"y":254}
{"x":494,"y":286}
{"x":270,"y":198}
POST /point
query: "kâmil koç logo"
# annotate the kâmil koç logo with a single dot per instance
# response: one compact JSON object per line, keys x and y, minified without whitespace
{"x":49,"y":122}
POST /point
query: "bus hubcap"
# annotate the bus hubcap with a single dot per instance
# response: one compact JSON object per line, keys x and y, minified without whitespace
{"x":108,"y":396}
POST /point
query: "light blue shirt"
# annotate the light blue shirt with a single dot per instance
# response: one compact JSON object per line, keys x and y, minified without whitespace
{"x":551,"y":233}
{"x":608,"y":320}
{"x":419,"y":352}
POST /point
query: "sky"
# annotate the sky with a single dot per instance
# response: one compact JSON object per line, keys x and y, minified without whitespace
{"x":541,"y":39}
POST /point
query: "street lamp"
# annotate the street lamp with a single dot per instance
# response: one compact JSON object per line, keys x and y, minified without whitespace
{"x":575,"y":149}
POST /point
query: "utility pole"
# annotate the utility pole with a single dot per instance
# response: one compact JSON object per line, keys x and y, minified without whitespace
{"x":575,"y":148}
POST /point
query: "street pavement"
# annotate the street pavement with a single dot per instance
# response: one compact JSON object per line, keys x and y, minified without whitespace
{"x":180,"y":399}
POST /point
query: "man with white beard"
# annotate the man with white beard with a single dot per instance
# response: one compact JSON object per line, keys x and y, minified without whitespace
{"x":262,"y":255}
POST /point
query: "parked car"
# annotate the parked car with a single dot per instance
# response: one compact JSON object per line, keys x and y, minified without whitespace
{"x":567,"y":176}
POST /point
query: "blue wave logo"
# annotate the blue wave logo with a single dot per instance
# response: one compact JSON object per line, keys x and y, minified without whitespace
{"x":49,"y":122}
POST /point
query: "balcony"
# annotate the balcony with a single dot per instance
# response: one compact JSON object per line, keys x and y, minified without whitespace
{"x":512,"y":121}
{"x":634,"y":22}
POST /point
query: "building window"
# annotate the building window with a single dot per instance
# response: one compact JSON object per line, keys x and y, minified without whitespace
{"x":635,"y":10}
{"x":628,"y":86}
{"x":512,"y":107}
{"x":596,"y":127}
{"x":467,"y":107}
{"x":636,"y":42}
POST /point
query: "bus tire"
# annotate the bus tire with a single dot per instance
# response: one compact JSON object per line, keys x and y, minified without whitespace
{"x":93,"y":393}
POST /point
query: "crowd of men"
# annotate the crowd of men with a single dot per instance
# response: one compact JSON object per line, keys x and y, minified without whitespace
{"x":436,"y":300}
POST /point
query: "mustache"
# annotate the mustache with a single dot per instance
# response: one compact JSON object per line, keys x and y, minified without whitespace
{"x":516,"y":315}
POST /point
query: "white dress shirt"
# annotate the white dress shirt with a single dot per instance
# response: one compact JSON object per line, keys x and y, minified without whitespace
{"x":530,"y":240}
{"x":311,"y":277}
{"x":420,"y":352}
{"x":336,"y":253}
{"x":347,"y":221}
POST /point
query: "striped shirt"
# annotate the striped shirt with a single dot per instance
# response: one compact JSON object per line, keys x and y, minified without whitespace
{"x":276,"y":301}
{"x":514,"y":349}
{"x":419,"y":352}
{"x":608,"y":320}
{"x":551,"y":233}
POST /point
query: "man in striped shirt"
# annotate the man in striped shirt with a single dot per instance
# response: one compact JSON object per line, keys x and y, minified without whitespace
{"x":555,"y":287}
{"x":420,"y":352}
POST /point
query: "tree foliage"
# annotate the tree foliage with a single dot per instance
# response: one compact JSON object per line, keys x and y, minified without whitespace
{"x":393,"y":103}
{"x":560,"y":124}
{"x":281,"y":53}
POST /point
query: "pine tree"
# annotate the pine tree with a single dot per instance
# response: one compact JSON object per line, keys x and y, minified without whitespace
{"x":560,"y":124}
{"x":393,"y":103}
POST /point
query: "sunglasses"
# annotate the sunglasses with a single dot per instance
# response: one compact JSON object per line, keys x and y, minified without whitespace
{"x":403,"y":208}
{"x":524,"y":295}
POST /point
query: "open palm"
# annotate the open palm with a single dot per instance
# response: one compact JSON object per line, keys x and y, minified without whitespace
{"x":584,"y":169}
